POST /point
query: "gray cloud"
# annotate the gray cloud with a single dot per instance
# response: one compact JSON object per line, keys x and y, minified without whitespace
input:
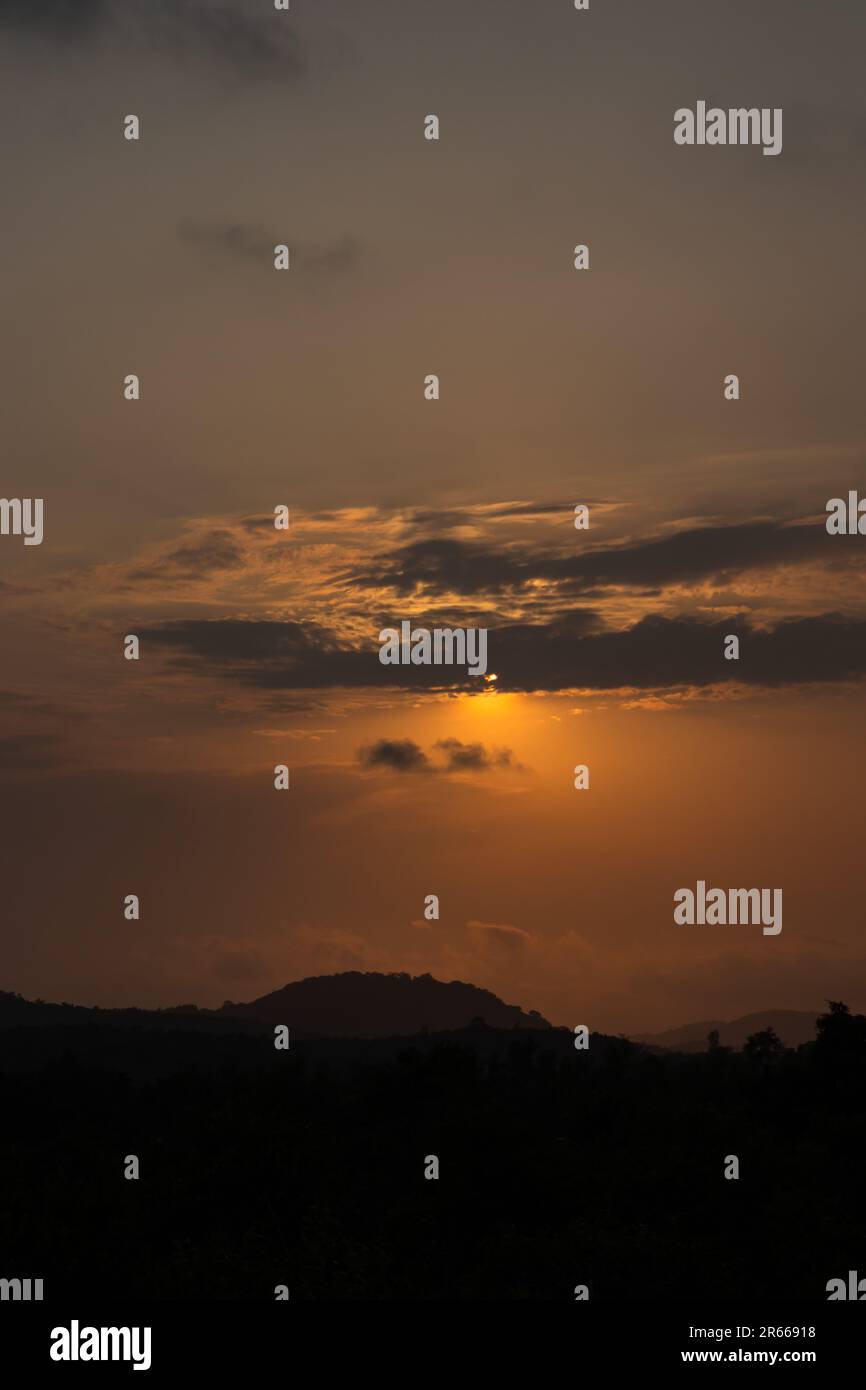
{"x":216,"y":551}
{"x":440,"y":519}
{"x":472,"y":757}
{"x":659,"y":652}
{"x":705,"y":552}
{"x":571,"y":651}
{"x":398,"y":755}
{"x":232,"y":239}
{"x":404,"y":755}
{"x":253,"y":242}
{"x":253,"y":42}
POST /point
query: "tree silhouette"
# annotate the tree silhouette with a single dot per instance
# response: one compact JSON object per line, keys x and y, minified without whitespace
{"x":764,"y":1047}
{"x":841,"y":1035}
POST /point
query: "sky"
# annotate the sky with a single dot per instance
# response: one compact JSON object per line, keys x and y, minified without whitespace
{"x":305,"y":389}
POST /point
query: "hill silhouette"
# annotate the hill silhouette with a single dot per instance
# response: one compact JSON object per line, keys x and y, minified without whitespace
{"x":348,"y":1005}
{"x":791,"y":1025}
{"x":368,"y":1005}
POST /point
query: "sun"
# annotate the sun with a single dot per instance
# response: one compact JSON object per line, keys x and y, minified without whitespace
{"x":487,"y":700}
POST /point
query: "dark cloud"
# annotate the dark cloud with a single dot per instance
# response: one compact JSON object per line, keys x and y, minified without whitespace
{"x":291,"y":656}
{"x":253,"y":242}
{"x":264,"y":522}
{"x":570,"y":652}
{"x":233,"y":642}
{"x":31,"y":752}
{"x":472,"y":757}
{"x":399,"y":755}
{"x":404,"y":755}
{"x":232,"y":239}
{"x":705,"y":552}
{"x":447,"y":566}
{"x":659,"y":652}
{"x":250,"y":40}
{"x":442,"y":519}
{"x":216,"y":551}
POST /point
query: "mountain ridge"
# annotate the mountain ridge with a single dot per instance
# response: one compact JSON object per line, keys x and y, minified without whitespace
{"x":363,"y":1003}
{"x":347,"y":1004}
{"x":793,"y":1026}
{"x":373,"y":1004}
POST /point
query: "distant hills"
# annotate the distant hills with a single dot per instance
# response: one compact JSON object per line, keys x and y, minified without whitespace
{"x":349,"y":1005}
{"x":370,"y":1005}
{"x":792,"y":1026}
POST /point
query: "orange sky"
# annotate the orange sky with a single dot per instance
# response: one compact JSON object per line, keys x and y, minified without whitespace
{"x":306,"y":389}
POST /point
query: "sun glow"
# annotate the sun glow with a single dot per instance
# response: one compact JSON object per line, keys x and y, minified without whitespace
{"x":489,"y":700}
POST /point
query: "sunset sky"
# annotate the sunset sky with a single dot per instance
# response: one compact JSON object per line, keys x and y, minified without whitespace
{"x":305,"y":388}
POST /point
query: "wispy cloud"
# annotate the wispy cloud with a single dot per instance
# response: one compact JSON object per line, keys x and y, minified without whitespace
{"x":254,"y":242}
{"x":253,"y":42}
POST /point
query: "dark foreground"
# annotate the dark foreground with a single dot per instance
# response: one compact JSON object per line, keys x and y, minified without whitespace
{"x":306,"y":1168}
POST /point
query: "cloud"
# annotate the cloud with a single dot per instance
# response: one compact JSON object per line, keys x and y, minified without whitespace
{"x":215,"y":552}
{"x":335,"y":949}
{"x":566,"y":653}
{"x":273,"y":655}
{"x":252,"y":42}
{"x":253,"y":242}
{"x":502,"y":936}
{"x":231,"y":238}
{"x":659,"y":652}
{"x":290,"y":656}
{"x":398,"y":755}
{"x":403,"y":755}
{"x":474,"y":757}
{"x":704,"y":552}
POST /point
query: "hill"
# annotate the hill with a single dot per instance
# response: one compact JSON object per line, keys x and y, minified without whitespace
{"x":368,"y":1005}
{"x":792,"y":1026}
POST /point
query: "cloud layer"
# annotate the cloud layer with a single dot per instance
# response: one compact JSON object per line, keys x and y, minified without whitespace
{"x":570,"y":653}
{"x":253,"y":42}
